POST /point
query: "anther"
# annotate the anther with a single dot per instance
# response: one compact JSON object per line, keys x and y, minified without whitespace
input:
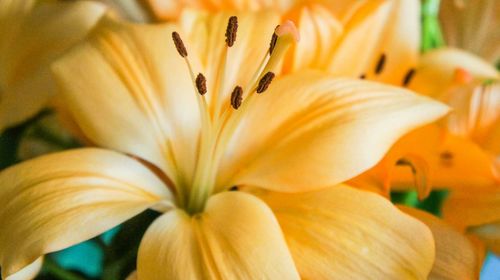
{"x":232,"y":28}
{"x":265,"y":82}
{"x":274,"y":39}
{"x":446,"y":155}
{"x":233,"y":188}
{"x":380,"y":64}
{"x":179,"y":45}
{"x":201,"y":84}
{"x":362,"y":76}
{"x":409,"y":75}
{"x":236,"y":97}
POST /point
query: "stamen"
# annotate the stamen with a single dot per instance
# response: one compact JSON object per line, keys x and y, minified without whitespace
{"x":265,"y":82}
{"x":201,"y":84}
{"x":362,"y":77}
{"x":232,"y":28}
{"x":179,"y":45}
{"x":446,"y":155}
{"x":274,"y":39}
{"x":380,"y":64}
{"x":236,"y":97}
{"x":233,"y":188}
{"x":409,"y":75}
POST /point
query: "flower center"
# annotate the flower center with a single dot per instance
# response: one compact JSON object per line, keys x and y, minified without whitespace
{"x":220,"y":120}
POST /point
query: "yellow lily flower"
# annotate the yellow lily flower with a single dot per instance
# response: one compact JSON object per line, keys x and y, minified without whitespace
{"x":473,"y":26}
{"x":33,"y":34}
{"x":178,"y":142}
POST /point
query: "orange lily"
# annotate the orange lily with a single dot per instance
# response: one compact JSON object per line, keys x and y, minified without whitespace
{"x":178,"y":142}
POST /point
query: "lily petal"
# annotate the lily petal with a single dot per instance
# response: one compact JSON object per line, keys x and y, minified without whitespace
{"x":448,"y":162}
{"x":236,"y":237}
{"x":320,"y":31}
{"x":55,"y":201}
{"x":327,"y":130}
{"x":33,"y":34}
{"x":392,"y":30}
{"x":473,"y":207}
{"x":172,"y":9}
{"x":436,"y":69}
{"x":346,"y":233}
{"x":456,"y":256}
{"x":28,"y":272}
{"x":132,"y":77}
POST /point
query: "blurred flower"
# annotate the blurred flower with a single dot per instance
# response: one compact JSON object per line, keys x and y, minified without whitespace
{"x":472,"y":25}
{"x":33,"y":34}
{"x":242,"y":168}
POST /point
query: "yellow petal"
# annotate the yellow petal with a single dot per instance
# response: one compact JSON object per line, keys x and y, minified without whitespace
{"x":346,"y":233}
{"x":28,"y":272}
{"x":456,"y":256}
{"x":55,"y":201}
{"x":381,"y":41}
{"x":310,"y":131}
{"x":236,"y":237}
{"x":132,"y":90}
{"x":436,"y":69}
{"x":319,"y":30}
{"x":32,"y":35}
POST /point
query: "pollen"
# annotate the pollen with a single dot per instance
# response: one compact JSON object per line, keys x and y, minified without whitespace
{"x":408,"y":77}
{"x":274,"y":39}
{"x":179,"y":45}
{"x":231,"y":30}
{"x":380,"y":64}
{"x":265,"y":82}
{"x":201,"y":84}
{"x":236,"y":97}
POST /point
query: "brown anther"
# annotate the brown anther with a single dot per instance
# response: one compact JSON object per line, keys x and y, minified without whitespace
{"x":380,"y":64}
{"x":362,"y":76}
{"x":179,"y":45}
{"x":409,"y":75}
{"x":272,"y":44}
{"x":236,"y":97}
{"x":201,"y":84}
{"x":233,"y":188}
{"x":446,"y":155}
{"x":231,"y":30}
{"x":265,"y":82}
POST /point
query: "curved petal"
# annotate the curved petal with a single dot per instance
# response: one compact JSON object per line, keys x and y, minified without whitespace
{"x":28,"y":272}
{"x":236,"y":237}
{"x":436,"y":69}
{"x":456,"y":256}
{"x":310,"y":131}
{"x":448,"y":162}
{"x":55,"y":201}
{"x":381,"y":42}
{"x":32,"y":35}
{"x":351,"y":234}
